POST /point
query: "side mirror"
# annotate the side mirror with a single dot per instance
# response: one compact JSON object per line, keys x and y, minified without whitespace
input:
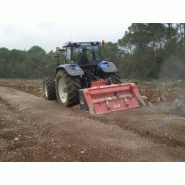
{"x":62,"y":50}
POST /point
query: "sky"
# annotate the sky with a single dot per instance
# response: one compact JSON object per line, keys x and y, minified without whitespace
{"x":49,"y":24}
{"x":49,"y":36}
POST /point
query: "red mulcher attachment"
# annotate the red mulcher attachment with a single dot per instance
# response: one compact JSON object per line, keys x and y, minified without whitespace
{"x":102,"y":98}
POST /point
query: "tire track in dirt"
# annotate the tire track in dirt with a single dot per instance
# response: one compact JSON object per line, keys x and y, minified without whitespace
{"x":6,"y":103}
{"x":70,"y":134}
{"x":122,"y":124}
{"x":126,"y":124}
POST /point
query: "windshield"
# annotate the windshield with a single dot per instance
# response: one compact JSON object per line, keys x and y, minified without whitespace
{"x":86,"y":54}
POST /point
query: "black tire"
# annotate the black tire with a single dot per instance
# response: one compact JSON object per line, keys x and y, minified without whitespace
{"x":67,"y":89}
{"x":49,"y":89}
{"x":115,"y":78}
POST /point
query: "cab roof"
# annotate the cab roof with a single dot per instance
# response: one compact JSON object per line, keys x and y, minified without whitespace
{"x":81,"y":43}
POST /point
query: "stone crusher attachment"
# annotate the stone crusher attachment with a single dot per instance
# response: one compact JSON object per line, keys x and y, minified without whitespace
{"x":103,"y":98}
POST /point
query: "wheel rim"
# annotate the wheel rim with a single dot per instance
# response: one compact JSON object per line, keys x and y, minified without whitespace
{"x":45,"y":90}
{"x":62,"y":90}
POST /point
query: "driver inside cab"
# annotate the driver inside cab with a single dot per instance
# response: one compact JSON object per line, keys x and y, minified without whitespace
{"x":83,"y":60}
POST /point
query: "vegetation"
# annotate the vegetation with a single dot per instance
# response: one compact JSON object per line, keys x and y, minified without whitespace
{"x":153,"y":51}
{"x":34,"y":63}
{"x":147,"y":51}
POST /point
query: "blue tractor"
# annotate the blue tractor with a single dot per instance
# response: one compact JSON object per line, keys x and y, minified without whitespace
{"x":83,"y":65}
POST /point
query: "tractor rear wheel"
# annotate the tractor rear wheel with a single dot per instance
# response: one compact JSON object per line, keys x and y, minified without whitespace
{"x":49,"y":89}
{"x":67,"y":89}
{"x":115,"y":78}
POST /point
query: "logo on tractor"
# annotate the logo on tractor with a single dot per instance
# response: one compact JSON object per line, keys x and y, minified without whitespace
{"x":117,"y":105}
{"x":81,"y":101}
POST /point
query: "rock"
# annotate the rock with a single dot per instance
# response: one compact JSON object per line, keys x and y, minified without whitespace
{"x":150,"y":104}
{"x":163,"y":98}
{"x":178,"y":103}
{"x":144,"y":97}
{"x":16,"y":138}
{"x":158,"y":99}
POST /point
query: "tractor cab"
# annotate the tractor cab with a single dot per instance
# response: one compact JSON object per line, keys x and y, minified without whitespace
{"x":83,"y":53}
{"x":84,"y":59}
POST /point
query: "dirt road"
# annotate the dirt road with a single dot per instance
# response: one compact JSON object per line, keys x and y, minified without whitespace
{"x":34,"y":129}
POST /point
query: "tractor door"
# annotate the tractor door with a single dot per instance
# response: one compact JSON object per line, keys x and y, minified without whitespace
{"x":68,"y":55}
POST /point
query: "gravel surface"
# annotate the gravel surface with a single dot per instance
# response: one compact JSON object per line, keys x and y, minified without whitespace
{"x":34,"y":129}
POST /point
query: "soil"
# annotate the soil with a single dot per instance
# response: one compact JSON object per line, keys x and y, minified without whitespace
{"x":34,"y":129}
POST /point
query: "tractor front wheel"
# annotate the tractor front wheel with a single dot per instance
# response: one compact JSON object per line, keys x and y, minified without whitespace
{"x":67,"y":89}
{"x":49,"y":89}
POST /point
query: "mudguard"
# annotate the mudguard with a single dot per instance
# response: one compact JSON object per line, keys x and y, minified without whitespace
{"x":72,"y":69}
{"x":107,"y":67}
